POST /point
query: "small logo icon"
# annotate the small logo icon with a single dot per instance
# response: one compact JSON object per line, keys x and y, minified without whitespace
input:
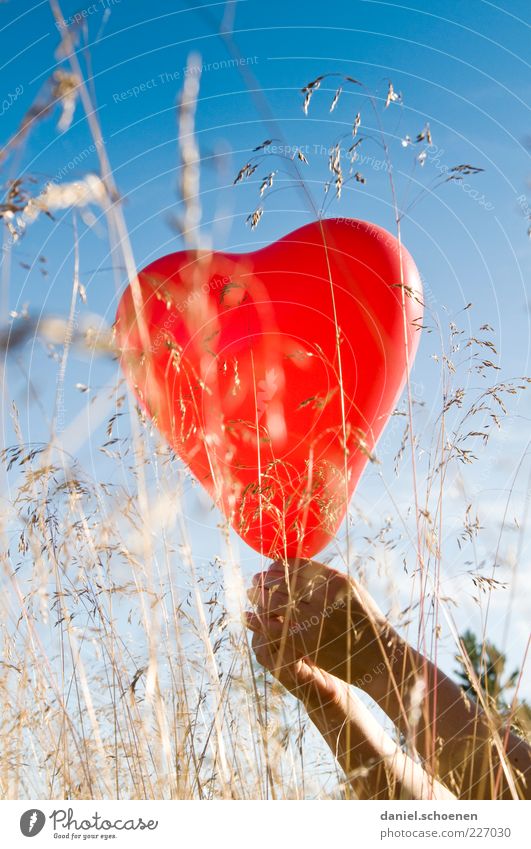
{"x":32,"y":822}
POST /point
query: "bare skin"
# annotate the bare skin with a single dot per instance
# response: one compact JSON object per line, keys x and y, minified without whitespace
{"x":375,"y":766}
{"x":313,"y":615}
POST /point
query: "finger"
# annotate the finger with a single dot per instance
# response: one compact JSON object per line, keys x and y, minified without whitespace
{"x":273,"y":628}
{"x":294,"y":585}
{"x":282,"y":573}
{"x":291,"y":594}
{"x":299,"y":566}
{"x":254,"y":595}
{"x":263,"y":650}
{"x":292,"y":564}
{"x":276,"y":600}
{"x":279,"y":605}
{"x":268,"y":651}
{"x":278,"y":566}
{"x":277,"y":656}
{"x":303,"y":577}
{"x":273,"y":598}
{"x":253,"y":622}
{"x":262,"y":624}
{"x":274,"y":579}
{"x":259,"y":596}
{"x":315,"y":576}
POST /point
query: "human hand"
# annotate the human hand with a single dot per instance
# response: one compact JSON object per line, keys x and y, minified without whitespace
{"x":354,"y":736}
{"x":321,"y":614}
{"x":315,"y":687}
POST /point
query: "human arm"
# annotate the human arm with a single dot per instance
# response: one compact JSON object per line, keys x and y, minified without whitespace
{"x":331,"y":619}
{"x":466,"y":745}
{"x":374,"y":765}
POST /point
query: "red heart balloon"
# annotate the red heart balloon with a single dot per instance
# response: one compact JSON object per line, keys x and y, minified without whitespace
{"x":272,"y":374}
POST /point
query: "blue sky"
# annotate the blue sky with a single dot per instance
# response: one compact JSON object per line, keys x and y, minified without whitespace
{"x":461,"y":66}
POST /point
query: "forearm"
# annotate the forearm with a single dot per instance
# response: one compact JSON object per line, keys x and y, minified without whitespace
{"x":457,"y":740}
{"x":374,"y":765}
